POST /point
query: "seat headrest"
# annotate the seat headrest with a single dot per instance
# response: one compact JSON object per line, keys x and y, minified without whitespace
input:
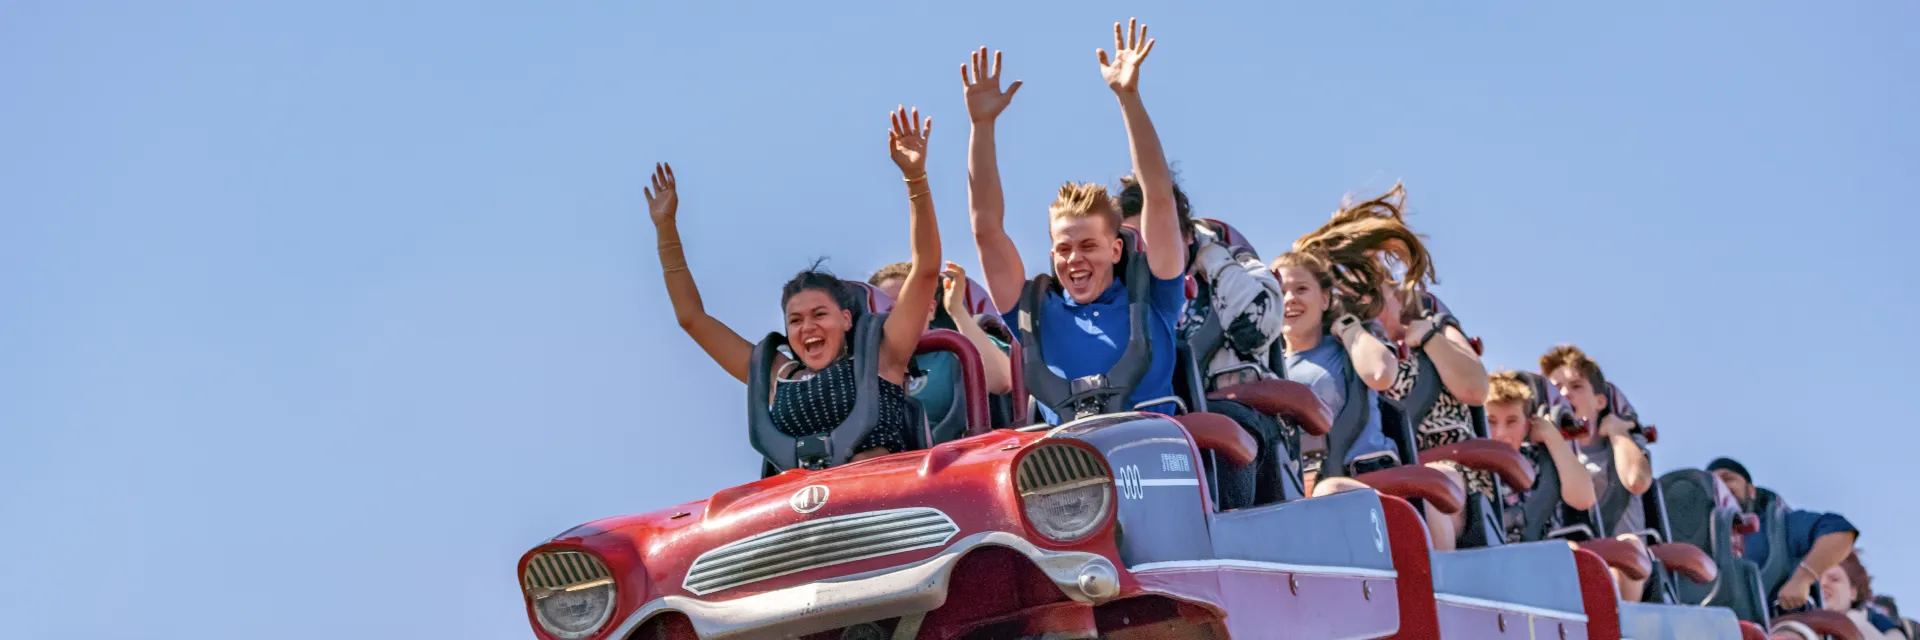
{"x":1234,"y":240}
{"x":1434,"y":305}
{"x":869,"y":299}
{"x":1617,"y":403}
{"x":978,"y":299}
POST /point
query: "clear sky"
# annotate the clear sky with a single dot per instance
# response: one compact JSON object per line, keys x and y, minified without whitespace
{"x":317,"y":316}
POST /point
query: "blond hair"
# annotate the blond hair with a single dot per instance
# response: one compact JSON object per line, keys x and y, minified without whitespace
{"x":1506,"y":387}
{"x":895,"y":271}
{"x":1085,"y":200}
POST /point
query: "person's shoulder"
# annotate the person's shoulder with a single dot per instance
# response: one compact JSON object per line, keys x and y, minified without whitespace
{"x":1882,"y":623}
{"x":1168,"y":293}
{"x":1818,"y":523}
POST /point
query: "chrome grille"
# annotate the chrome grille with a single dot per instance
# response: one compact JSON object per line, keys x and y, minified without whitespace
{"x":1058,"y":464}
{"x":554,"y":570}
{"x":819,"y":543}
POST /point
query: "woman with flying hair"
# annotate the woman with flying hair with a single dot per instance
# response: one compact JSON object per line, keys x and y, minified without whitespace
{"x":1409,"y":315}
{"x":1325,"y":291}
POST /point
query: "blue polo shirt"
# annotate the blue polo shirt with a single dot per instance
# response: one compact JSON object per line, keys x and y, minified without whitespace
{"x":1803,"y":528}
{"x":1081,"y":340}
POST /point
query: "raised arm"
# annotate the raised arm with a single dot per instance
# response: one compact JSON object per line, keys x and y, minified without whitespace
{"x":1460,"y":368}
{"x":907,"y":141}
{"x":985,"y":204}
{"x":1372,"y":360}
{"x":1629,"y":461}
{"x":999,"y":367}
{"x":1166,"y":252}
{"x":1576,"y":485}
{"x":721,"y":343}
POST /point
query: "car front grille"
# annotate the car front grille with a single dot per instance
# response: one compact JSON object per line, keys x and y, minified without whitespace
{"x":559,"y":569}
{"x":820,"y":543}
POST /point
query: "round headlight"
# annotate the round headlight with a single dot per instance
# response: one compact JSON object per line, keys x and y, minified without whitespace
{"x":1065,"y":491}
{"x":1068,"y":514}
{"x":572,"y":593}
{"x":575,"y":614}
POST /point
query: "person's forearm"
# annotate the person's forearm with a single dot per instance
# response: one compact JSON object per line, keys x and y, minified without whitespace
{"x":1828,"y":550}
{"x":681,"y":290}
{"x":1166,"y":253}
{"x":1371,"y":359}
{"x":986,"y":206}
{"x":1576,"y":485}
{"x":732,"y":352}
{"x":1633,"y":467}
{"x":902,"y":334}
{"x":998,"y":366}
{"x":1461,"y":371}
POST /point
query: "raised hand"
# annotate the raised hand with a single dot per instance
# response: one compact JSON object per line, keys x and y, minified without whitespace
{"x":955,"y":294}
{"x":908,"y":142}
{"x":663,"y":200}
{"x":1130,"y":48}
{"x":985,"y":101}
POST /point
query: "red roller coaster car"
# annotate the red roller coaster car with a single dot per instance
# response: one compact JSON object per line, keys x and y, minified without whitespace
{"x":1104,"y":527}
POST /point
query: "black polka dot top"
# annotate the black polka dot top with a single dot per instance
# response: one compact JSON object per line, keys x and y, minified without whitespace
{"x":809,"y":405}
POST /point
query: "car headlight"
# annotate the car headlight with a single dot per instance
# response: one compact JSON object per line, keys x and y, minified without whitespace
{"x":572,"y":592}
{"x":1065,"y":491}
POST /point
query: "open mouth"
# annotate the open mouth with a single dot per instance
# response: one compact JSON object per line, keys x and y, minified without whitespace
{"x":1079,"y":278}
{"x":813,"y":347}
{"x":1293,"y":311}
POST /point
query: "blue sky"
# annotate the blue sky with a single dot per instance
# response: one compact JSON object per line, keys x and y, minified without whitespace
{"x":319,"y":315}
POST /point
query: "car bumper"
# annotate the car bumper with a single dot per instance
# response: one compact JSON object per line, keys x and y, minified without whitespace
{"x":876,"y":595}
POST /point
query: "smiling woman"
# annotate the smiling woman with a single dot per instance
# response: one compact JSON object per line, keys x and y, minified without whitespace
{"x":816,"y":388}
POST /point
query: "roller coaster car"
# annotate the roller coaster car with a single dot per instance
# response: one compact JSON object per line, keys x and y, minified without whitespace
{"x":1101,"y":527}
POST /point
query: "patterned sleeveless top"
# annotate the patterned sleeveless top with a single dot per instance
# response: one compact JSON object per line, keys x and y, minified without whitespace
{"x":810,"y":405}
{"x":1446,"y":423}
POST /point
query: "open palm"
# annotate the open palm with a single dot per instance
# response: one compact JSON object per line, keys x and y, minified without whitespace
{"x":908,"y":141}
{"x":663,"y":200}
{"x":1130,"y":48}
{"x":985,"y":101}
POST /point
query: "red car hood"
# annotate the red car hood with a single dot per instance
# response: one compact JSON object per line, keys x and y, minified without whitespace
{"x":966,"y":479}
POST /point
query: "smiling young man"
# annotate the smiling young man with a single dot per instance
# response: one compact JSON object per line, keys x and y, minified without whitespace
{"x":1084,"y":325}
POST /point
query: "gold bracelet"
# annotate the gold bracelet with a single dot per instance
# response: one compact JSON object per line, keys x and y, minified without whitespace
{"x":916,"y":196}
{"x":922,"y":176}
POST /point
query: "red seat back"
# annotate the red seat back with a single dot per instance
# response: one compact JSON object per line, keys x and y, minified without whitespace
{"x":1284,"y":398}
{"x":1485,"y":455}
{"x":1221,"y":435}
{"x":1417,"y":482}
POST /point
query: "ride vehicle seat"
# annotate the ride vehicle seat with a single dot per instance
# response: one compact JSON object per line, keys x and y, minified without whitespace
{"x":1485,"y":517}
{"x":1272,"y":409}
{"x":1228,"y":449}
{"x":870,"y":307}
{"x":1096,"y":394}
{"x":1816,"y":624}
{"x":1702,"y":512}
{"x":956,"y":423}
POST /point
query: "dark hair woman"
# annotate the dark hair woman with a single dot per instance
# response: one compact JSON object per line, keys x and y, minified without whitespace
{"x":815,"y":388}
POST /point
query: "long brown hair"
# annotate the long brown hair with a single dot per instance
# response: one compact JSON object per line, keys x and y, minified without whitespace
{"x":1361,"y":245}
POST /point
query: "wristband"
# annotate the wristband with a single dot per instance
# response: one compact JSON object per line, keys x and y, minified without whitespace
{"x":1424,"y":338}
{"x":1809,"y":570}
{"x":1345,"y":325}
